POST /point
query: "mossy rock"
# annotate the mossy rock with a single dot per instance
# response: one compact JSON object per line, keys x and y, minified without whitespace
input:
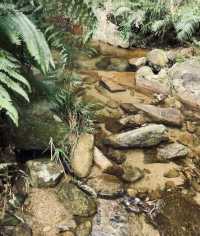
{"x":37,"y":126}
{"x":76,"y":200}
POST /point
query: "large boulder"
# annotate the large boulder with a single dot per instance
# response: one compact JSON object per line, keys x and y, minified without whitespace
{"x":83,"y":155}
{"x":37,"y":125}
{"x":149,"y":83}
{"x":147,"y":136}
{"x":157,"y":58}
{"x":185,"y":79}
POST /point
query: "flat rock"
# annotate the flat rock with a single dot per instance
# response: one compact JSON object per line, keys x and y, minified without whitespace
{"x":138,"y":62}
{"x":125,"y":79}
{"x":100,"y":160}
{"x":186,"y":82}
{"x":111,"y":85}
{"x":76,"y":200}
{"x":172,"y":152}
{"x":44,"y":173}
{"x":150,"y":135}
{"x":105,"y":185}
{"x":83,"y":155}
{"x":168,"y":116}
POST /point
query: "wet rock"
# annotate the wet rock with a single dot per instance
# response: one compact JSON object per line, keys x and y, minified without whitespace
{"x":79,"y":202}
{"x":129,"y":108}
{"x":23,"y":229}
{"x":150,"y":135}
{"x":107,"y":186}
{"x":82,"y":158}
{"x":100,"y":160}
{"x":140,"y":227}
{"x":186,"y":82}
{"x":179,"y":215}
{"x":118,"y":64}
{"x":111,"y":219}
{"x":84,"y":229}
{"x":44,"y":173}
{"x":172,"y":152}
{"x":168,"y":116}
{"x":131,"y":173}
{"x":116,"y":156}
{"x":103,"y":63}
{"x":111,"y":85}
{"x":173,"y":173}
{"x":133,"y":121}
{"x":157,"y":58}
{"x":138,"y":62}
{"x":149,"y":83}
{"x":37,"y":125}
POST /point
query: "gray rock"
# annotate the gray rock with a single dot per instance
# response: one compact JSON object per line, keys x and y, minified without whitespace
{"x":111,"y":219}
{"x":150,"y":135}
{"x":76,"y":200}
{"x":157,"y":58}
{"x":37,"y":125}
{"x":168,"y":116}
{"x":44,"y":173}
{"x":171,"y":152}
{"x":185,"y":78}
{"x":83,"y":155}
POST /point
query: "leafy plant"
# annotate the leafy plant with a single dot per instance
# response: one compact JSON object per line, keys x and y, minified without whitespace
{"x":22,"y":43}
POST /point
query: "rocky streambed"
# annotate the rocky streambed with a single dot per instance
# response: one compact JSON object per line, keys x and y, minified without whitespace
{"x":136,"y":175}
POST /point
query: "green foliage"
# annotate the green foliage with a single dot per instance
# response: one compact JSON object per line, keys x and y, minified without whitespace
{"x":73,"y":110}
{"x":25,"y":42}
{"x":156,"y":20}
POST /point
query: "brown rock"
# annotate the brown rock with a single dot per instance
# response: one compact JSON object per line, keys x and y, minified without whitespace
{"x":100,"y":160}
{"x":126,"y":79}
{"x":111,"y":85}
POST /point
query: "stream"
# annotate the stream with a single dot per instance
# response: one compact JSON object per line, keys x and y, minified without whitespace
{"x":144,"y":177}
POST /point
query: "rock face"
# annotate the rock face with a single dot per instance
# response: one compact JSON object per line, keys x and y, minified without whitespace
{"x":171,"y":152}
{"x":82,"y":158}
{"x":157,"y":58}
{"x":185,"y":79}
{"x":76,"y":200}
{"x":44,"y":173}
{"x":147,"y":136}
{"x":149,"y":83}
{"x":37,"y":125}
{"x":168,"y":116}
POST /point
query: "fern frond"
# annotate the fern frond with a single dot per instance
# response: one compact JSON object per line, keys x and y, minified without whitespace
{"x":17,"y":28}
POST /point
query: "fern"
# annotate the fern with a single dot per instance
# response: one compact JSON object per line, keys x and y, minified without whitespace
{"x":18,"y":32}
{"x":18,"y":29}
{"x":11,"y":81}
